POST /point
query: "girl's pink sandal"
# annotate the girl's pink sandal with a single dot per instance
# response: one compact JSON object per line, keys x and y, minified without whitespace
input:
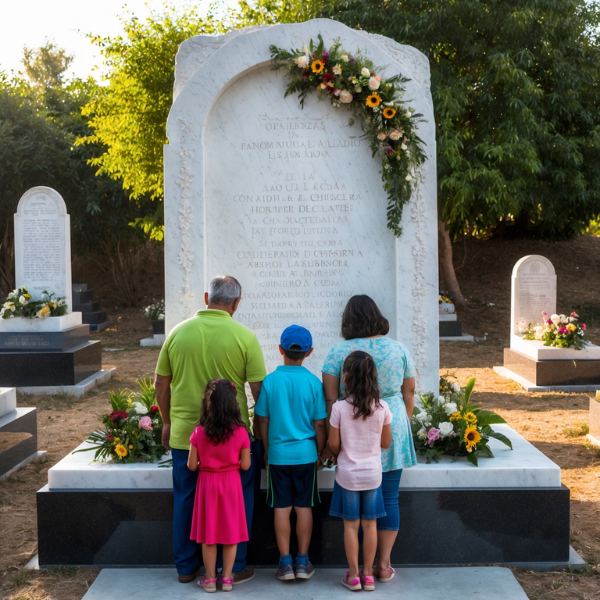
{"x":209,"y":585}
{"x":368,"y":583}
{"x":354,"y":585}
{"x":387,"y":579}
{"x":226,"y":583}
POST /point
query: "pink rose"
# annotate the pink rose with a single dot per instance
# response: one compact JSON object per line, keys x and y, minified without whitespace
{"x":562,"y":330}
{"x":146,"y":423}
{"x":583,"y":326}
{"x":381,"y":136}
{"x":574,"y":314}
{"x":395,"y":135}
{"x":345,"y":97}
{"x":432,"y":435}
{"x":378,"y":77}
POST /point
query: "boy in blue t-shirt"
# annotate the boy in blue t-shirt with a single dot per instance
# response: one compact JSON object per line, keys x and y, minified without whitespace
{"x":292,"y":413}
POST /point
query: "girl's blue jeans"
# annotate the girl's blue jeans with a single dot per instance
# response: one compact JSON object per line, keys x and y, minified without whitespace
{"x":390,"y":485}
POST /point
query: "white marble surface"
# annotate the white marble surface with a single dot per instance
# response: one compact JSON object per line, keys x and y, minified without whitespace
{"x":158,"y":339}
{"x":302,"y":224}
{"x":465,"y":337}
{"x":49,"y":324}
{"x":43,"y":244}
{"x":447,"y":317}
{"x":8,"y":400}
{"x":523,"y":467}
{"x":533,"y":290}
{"x":536,"y":350}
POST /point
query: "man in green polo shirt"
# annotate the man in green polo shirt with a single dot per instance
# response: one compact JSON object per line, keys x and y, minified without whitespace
{"x":210,"y":345}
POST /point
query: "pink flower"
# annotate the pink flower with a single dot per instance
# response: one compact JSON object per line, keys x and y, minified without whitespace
{"x":544,"y":313}
{"x":337,"y":92}
{"x":574,"y":314}
{"x":563,"y":330}
{"x":549,"y":322}
{"x":583,"y":326}
{"x":432,"y":435}
{"x":378,"y":77}
{"x":389,"y":151}
{"x":146,"y":423}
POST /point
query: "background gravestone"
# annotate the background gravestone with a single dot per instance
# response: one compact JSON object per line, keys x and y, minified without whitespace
{"x":290,"y":201}
{"x":43,"y":244}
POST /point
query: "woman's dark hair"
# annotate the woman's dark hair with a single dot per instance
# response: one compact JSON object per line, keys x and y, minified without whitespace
{"x":220,"y":414}
{"x":363,"y":319}
{"x":360,"y":382}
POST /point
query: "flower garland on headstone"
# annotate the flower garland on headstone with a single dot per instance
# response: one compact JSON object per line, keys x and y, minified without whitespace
{"x":19,"y":303}
{"x":388,"y":124}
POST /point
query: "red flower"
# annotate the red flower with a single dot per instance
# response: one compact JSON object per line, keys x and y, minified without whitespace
{"x":118,"y":415}
{"x":328,"y":79}
{"x":154,"y":410}
{"x":109,"y":438}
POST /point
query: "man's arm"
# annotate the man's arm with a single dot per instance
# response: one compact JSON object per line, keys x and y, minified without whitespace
{"x":255,"y":388}
{"x":264,"y":434}
{"x":162,"y":385}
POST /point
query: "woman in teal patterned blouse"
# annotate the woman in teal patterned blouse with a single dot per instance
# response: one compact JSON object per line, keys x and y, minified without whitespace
{"x":364,"y":328}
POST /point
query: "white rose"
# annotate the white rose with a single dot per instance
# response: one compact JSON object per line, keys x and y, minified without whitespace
{"x":446,"y":428}
{"x":408,"y":114}
{"x":358,"y":89}
{"x":571,"y":319}
{"x":373,"y":84}
{"x":395,"y":135}
{"x":344,"y":57}
{"x":450,"y":408}
{"x":346,"y":97}
{"x":422,"y":417}
{"x":555,"y":319}
{"x":403,"y":147}
{"x":22,"y":300}
{"x":140,"y":409}
{"x":456,"y":387}
{"x":422,"y":434}
{"x":539,"y":332}
{"x":365,"y":72}
{"x":441,"y":400}
{"x":408,"y":178}
{"x":302,"y":62}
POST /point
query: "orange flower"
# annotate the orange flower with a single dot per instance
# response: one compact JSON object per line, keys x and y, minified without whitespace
{"x":373,"y":100}
{"x":317,"y":66}
{"x":388,"y":113}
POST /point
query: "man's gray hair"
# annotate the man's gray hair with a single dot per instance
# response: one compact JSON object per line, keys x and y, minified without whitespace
{"x":223,"y":290}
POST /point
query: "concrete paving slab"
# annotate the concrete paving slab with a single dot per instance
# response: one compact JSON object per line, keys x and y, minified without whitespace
{"x":455,"y":583}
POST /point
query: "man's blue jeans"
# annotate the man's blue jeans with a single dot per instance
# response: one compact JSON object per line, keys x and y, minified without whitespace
{"x":184,"y":492}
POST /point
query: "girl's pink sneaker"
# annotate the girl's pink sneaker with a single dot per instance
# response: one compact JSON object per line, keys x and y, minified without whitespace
{"x":353,"y":585}
{"x":226,"y":583}
{"x":209,"y":585}
{"x":368,"y":583}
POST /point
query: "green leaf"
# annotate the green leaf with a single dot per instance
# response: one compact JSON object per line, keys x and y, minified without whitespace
{"x":501,"y":437}
{"x":469,"y":389}
{"x":472,"y":458}
{"x":484,"y":450}
{"x":487,"y":417}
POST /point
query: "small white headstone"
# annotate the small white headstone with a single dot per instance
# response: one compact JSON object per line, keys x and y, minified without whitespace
{"x":43,"y":244}
{"x":533,"y":291}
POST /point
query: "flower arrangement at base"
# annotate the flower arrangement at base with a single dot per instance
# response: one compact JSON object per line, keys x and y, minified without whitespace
{"x":19,"y":303}
{"x":387,"y":123}
{"x":156,"y":311}
{"x":132,"y":431}
{"x":558,"y":331}
{"x":449,"y":425}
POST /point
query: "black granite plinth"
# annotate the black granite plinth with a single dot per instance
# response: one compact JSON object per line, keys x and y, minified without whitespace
{"x":88,"y":307}
{"x":79,"y":287}
{"x":450,"y":328}
{"x":158,"y":327}
{"x":18,"y":438}
{"x":438,"y":527}
{"x":44,"y":341}
{"x":82,"y":297}
{"x":24,"y":369}
{"x":553,"y":372}
{"x":95,"y":317}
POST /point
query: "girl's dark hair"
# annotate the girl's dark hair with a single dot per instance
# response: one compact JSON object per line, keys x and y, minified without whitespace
{"x":360,"y":382}
{"x":362,"y":319}
{"x":220,"y":414}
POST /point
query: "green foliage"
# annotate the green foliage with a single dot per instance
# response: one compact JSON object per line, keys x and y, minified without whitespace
{"x":578,"y":429}
{"x":128,"y":115}
{"x":45,"y":66}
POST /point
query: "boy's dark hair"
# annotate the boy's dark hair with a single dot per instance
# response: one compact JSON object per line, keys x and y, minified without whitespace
{"x":361,"y":383}
{"x":363,"y":319}
{"x":294,"y":353}
{"x":220,"y":414}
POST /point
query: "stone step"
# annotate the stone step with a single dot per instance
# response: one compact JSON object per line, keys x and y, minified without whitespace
{"x":95,"y":317}
{"x":450,"y":583}
{"x":87,"y":307}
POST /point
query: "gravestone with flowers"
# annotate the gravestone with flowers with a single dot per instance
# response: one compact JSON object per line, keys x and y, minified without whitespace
{"x":43,"y":344}
{"x":547,"y":350}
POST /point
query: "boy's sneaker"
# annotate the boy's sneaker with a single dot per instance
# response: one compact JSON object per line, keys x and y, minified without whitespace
{"x":304,"y":571}
{"x":285,"y":573}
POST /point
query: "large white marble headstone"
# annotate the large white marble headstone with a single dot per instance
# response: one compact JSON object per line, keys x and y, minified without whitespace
{"x":533,"y":291}
{"x":290,"y":201}
{"x":43,"y":244}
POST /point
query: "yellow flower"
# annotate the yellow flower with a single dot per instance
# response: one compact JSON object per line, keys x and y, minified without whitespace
{"x":121,"y":451}
{"x":373,"y":100}
{"x":471,"y":418}
{"x":131,"y":446}
{"x":44,"y":311}
{"x":455,"y":416}
{"x":388,"y":113}
{"x":24,"y":289}
{"x":51,"y":305}
{"x":27,"y":296}
{"x":472,"y":437}
{"x":571,"y":327}
{"x":317,"y":66}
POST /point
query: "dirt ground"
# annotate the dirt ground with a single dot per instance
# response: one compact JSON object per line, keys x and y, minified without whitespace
{"x":554,"y":423}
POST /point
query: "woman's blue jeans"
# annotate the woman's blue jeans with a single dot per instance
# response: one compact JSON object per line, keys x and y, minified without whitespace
{"x":390,"y":485}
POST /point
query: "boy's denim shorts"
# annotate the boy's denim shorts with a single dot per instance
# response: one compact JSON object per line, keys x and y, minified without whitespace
{"x":352,"y":505}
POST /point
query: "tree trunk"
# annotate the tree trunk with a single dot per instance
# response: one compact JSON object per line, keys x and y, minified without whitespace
{"x":7,"y":255}
{"x":448,"y":274}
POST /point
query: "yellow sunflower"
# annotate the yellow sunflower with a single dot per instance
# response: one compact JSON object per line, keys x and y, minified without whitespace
{"x":470,"y":417}
{"x":455,"y":416}
{"x":388,"y":113}
{"x":131,"y":446}
{"x":121,"y":450}
{"x":317,"y":66}
{"x":373,"y":100}
{"x":472,"y":437}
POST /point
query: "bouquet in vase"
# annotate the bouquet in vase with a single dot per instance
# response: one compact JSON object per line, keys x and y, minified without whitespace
{"x":450,"y":424}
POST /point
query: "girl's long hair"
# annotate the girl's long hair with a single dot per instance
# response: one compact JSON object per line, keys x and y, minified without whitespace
{"x":220,"y":415}
{"x":360,"y":382}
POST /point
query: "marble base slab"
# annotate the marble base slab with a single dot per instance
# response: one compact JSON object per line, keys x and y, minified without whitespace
{"x":158,"y":339}
{"x":489,"y":583}
{"x":530,"y":386}
{"x":525,"y":467}
{"x":465,"y":337}
{"x":8,"y":401}
{"x":79,"y":389}
{"x":21,"y":324}
{"x":537,"y":351}
{"x":447,"y":317}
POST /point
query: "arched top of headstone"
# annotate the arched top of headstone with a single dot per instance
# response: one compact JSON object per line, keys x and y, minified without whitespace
{"x":45,"y":195}
{"x":534,"y":264}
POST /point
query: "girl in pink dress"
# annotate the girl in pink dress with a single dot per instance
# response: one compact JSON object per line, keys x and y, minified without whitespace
{"x":219,"y":447}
